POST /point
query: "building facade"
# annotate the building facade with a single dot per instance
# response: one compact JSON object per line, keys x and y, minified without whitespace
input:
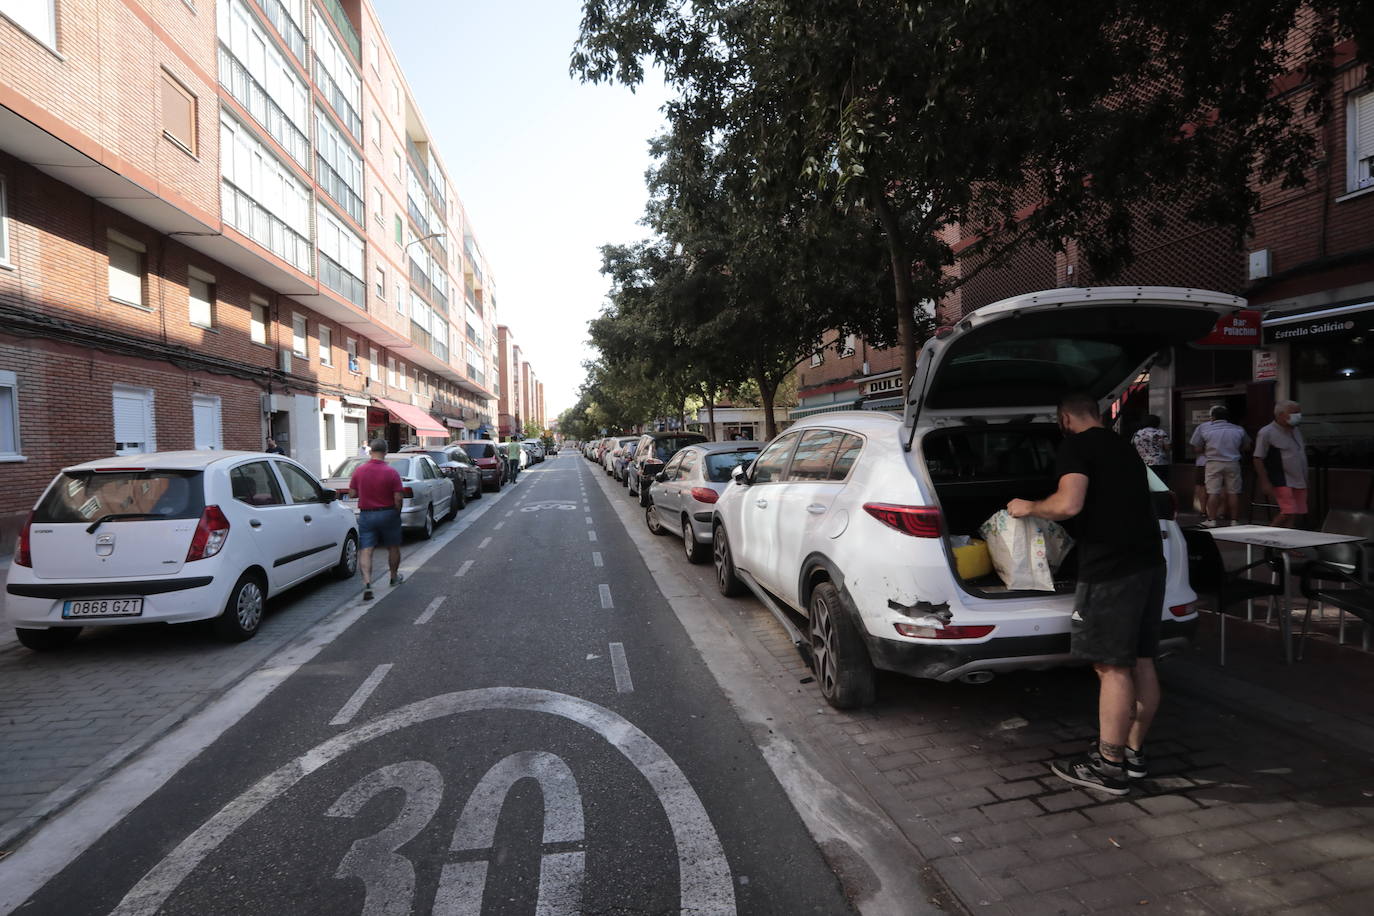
{"x":220,"y":223}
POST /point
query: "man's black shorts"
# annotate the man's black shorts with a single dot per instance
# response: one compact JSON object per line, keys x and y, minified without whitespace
{"x":1116,"y":621}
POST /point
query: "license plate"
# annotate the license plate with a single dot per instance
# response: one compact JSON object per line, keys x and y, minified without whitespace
{"x":103,"y":607}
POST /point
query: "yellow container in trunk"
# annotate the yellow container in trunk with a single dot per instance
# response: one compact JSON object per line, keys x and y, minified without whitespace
{"x":972,"y":561}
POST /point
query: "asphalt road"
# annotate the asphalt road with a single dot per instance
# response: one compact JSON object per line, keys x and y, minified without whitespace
{"x":521,"y":727}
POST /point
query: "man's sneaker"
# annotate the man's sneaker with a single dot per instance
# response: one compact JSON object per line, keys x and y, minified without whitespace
{"x":397,"y":579}
{"x":1136,"y":765}
{"x":1209,"y":523}
{"x":1092,"y":771}
{"x":367,"y":591}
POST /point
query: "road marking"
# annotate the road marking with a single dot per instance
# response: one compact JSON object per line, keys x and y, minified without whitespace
{"x":510,"y":513}
{"x":485,"y":542}
{"x":705,"y":883}
{"x":498,"y":526}
{"x":588,"y":519}
{"x":365,"y":689}
{"x":591,"y":535}
{"x":621,"y":668}
{"x":596,"y":558}
{"x":606,"y":596}
{"x":463,"y":570}
{"x":429,"y":611}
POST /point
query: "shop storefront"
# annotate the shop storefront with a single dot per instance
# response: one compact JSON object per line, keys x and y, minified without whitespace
{"x":882,"y":392}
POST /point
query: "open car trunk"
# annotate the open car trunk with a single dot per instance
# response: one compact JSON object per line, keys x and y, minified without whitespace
{"x":976,"y":470}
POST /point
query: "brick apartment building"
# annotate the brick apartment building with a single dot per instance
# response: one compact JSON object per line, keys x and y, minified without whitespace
{"x":220,"y":222}
{"x":521,"y":394}
{"x":1308,"y":266}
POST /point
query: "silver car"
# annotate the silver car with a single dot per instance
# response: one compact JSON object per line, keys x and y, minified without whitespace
{"x":428,"y":494}
{"x":683,"y":495}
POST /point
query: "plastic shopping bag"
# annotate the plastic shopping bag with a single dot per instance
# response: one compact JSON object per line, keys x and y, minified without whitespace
{"x":1025,"y":551}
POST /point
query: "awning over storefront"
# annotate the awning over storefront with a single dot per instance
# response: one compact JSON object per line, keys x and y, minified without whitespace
{"x":896,"y":403}
{"x":799,"y":412}
{"x":424,"y":424}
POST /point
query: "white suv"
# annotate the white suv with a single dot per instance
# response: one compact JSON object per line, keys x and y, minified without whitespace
{"x":846,"y":518}
{"x":173,"y":537}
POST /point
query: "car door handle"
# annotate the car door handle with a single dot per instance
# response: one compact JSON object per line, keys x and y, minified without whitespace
{"x":761,"y":503}
{"x":307,"y":518}
{"x":254,"y":523}
{"x":816,"y":509}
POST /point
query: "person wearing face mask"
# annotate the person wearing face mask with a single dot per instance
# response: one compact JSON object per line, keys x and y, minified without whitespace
{"x":1281,"y":463}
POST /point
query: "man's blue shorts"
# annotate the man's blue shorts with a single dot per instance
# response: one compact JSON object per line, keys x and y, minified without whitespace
{"x":379,"y":527}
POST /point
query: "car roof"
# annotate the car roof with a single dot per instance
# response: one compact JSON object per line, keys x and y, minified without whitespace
{"x":712,"y":448}
{"x":677,"y":434}
{"x":859,"y":421}
{"x":189,"y":460}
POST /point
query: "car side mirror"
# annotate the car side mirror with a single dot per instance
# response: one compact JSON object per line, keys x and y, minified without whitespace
{"x":740,"y":476}
{"x":328,"y":496}
{"x":661,"y":477}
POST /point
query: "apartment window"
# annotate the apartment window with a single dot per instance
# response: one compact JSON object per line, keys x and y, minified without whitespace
{"x":178,"y":113}
{"x":343,"y":271}
{"x":329,"y":441}
{"x":338,"y":168}
{"x":257,"y":322}
{"x":374,"y":368}
{"x":200,"y":288}
{"x":403,"y":377}
{"x":298,"y":335}
{"x":207,"y":427}
{"x":817,"y":359}
{"x":261,"y":79}
{"x":352,"y":348}
{"x":262,"y":198}
{"x":379,"y":209}
{"x":33,"y":16}
{"x":847,"y":346}
{"x":400,"y":232}
{"x":9,"y":415}
{"x":126,"y":268}
{"x":400,"y":298}
{"x":1360,"y":129}
{"x":391,"y":371}
{"x":396,"y":95}
{"x":376,"y":130}
{"x":374,"y":56}
{"x":134,"y":432}
{"x":381,"y":283}
{"x":4,"y":223}
{"x":326,"y":346}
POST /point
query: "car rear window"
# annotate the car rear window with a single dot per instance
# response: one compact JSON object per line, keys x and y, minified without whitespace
{"x":666,"y":448}
{"x":720,"y":464}
{"x":976,"y":453}
{"x":84,"y":496}
{"x":479,"y":449}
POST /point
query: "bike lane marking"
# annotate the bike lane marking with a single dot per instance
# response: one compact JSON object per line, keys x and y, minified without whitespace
{"x":596,"y":558}
{"x":361,"y":695}
{"x":428,"y":612}
{"x":605,"y":596}
{"x":620,"y":667}
{"x":463,"y":570}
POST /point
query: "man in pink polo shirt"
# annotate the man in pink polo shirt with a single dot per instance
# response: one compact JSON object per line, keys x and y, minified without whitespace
{"x":377,"y":488}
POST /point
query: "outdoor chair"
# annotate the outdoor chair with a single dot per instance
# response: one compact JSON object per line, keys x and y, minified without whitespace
{"x":1342,"y":590}
{"x":1337,"y":572}
{"x":1209,"y":577}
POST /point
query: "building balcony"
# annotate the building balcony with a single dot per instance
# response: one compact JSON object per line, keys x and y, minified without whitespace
{"x":338,"y":101}
{"x":420,"y":221}
{"x":334,"y":276}
{"x":249,"y":93}
{"x":261,"y":225}
{"x":338,"y":189}
{"x":346,"y":29}
{"x":286,"y":27}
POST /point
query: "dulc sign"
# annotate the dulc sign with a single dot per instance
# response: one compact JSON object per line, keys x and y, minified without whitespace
{"x":1238,"y":329}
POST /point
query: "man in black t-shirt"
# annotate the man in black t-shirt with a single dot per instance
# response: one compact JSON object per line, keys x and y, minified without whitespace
{"x":1120,"y":597}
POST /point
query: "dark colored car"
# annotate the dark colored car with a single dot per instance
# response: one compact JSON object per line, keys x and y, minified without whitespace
{"x":651,"y":454}
{"x":490,"y":459}
{"x":455,"y":464}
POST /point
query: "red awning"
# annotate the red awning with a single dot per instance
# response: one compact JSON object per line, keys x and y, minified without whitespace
{"x":424,"y":424}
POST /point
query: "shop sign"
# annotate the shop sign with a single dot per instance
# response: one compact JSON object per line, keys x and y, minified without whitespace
{"x":1238,"y":329}
{"x":1266,"y":364}
{"x":1301,"y":331}
{"x":883,"y":385}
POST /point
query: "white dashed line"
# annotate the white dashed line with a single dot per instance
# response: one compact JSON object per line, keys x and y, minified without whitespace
{"x":591,"y":535}
{"x":429,"y":611}
{"x":606,"y":596}
{"x":621,"y":667}
{"x":510,"y":513}
{"x":365,"y":689}
{"x":596,"y":558}
{"x":463,"y":570}
{"x":498,"y":526}
{"x":485,"y":542}
{"x":588,"y":519}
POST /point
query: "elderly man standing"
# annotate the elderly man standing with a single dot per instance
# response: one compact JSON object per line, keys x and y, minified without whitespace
{"x":377,"y":488}
{"x":1222,"y":442}
{"x":1281,"y":463}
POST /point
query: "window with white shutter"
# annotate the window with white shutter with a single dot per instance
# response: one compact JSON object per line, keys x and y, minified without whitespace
{"x":133,"y":420}
{"x":353,"y":436}
{"x":374,"y":368}
{"x":4,"y":223}
{"x":326,"y":346}
{"x":298,"y":335}
{"x":1360,"y":129}
{"x":205,"y":418}
{"x":9,"y":415}
{"x":258,"y":322}
{"x":200,"y":288}
{"x":126,"y":268}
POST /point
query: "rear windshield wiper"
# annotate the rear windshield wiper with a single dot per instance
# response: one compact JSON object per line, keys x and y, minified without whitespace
{"x":115,"y":516}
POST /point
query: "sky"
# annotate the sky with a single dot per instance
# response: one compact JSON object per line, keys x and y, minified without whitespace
{"x":548,"y":168}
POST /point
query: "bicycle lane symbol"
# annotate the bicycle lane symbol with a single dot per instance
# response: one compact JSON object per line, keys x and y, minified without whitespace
{"x":548,"y":504}
{"x":706,"y":885}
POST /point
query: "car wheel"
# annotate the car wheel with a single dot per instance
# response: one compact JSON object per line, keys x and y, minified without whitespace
{"x":651,"y":520}
{"x":348,"y":558}
{"x":696,"y":552}
{"x":643,"y":494}
{"x":427,"y":531}
{"x":481,"y":487}
{"x":460,"y":498}
{"x":625,"y":481}
{"x":727,"y":582}
{"x":839,"y":657}
{"x":47,"y":640}
{"x":243,"y":613}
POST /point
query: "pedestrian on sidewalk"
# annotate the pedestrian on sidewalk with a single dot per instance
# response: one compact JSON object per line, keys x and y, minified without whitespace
{"x":377,"y":488}
{"x":1222,"y":442}
{"x":1120,"y":596}
{"x":1152,"y":444}
{"x":1281,"y":463}
{"x":273,"y":448}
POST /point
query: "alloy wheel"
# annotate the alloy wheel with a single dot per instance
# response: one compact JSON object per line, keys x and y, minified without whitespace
{"x":248,"y":606}
{"x":823,"y":645}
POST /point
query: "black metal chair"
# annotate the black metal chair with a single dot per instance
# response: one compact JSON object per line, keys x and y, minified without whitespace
{"x":1209,"y":577}
{"x":1339,"y":574}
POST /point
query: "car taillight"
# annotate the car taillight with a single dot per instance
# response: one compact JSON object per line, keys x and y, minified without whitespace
{"x":917,"y":521}
{"x":704,"y":494}
{"x":948,"y":632}
{"x":23,"y":553}
{"x":211,"y":533}
{"x":407,"y":493}
{"x":1181,"y":610}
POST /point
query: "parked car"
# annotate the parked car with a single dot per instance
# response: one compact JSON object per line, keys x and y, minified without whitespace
{"x":428,"y":496}
{"x":536,"y":449}
{"x":624,"y":456}
{"x":650,"y":457}
{"x":613,"y":451}
{"x":490,"y":459}
{"x":454,"y":464}
{"x":683,"y":495}
{"x":172,"y":537}
{"x":846,"y":517}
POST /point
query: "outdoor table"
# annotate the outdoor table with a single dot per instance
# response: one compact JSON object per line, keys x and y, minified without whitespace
{"x":1284,"y":540}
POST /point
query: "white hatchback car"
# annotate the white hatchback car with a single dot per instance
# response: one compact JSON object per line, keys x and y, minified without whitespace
{"x":173,"y":537}
{"x":846,"y":518}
